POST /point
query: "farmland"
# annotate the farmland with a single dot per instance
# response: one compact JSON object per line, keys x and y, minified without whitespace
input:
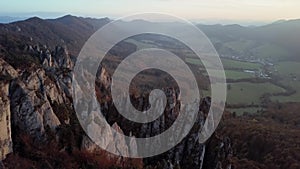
{"x":254,"y":80}
{"x":235,"y":64}
{"x":254,"y":94}
{"x":250,"y":92}
{"x":289,"y":76}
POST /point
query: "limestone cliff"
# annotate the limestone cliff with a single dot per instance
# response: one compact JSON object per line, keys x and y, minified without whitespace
{"x":7,"y":73}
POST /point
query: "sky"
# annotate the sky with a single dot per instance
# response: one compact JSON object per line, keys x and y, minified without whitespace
{"x":205,"y":10}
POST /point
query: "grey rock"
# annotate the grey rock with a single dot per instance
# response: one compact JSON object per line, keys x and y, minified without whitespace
{"x":31,"y":109}
{"x":7,"y":73}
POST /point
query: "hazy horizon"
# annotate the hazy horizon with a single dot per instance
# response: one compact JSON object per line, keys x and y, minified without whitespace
{"x":14,"y":17}
{"x":256,"y":12}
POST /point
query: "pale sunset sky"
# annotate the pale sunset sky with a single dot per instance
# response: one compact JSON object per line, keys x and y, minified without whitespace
{"x":239,"y":10}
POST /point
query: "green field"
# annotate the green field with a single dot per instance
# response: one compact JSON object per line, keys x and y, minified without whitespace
{"x":193,"y":61}
{"x":140,"y":45}
{"x":235,"y":75}
{"x":250,"y":93}
{"x":234,"y":64}
{"x":289,"y":72}
{"x":229,"y":64}
{"x":282,"y":99}
{"x":293,"y":98}
{"x":286,"y":69}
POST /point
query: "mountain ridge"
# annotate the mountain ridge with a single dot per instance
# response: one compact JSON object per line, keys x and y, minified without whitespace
{"x":275,"y":41}
{"x":97,"y":18}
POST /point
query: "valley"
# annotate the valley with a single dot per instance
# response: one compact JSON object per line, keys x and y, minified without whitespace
{"x":258,"y":81}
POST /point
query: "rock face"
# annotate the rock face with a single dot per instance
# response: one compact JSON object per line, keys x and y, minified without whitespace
{"x":31,"y":108}
{"x":109,"y":140}
{"x":37,"y":93}
{"x":32,"y":99}
{"x":5,"y":127}
{"x":36,"y":105}
{"x":38,"y":102}
{"x":6,"y":74}
{"x":189,"y":153}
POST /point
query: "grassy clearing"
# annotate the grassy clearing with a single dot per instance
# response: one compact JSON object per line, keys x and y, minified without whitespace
{"x":229,"y":64}
{"x":235,"y":75}
{"x":249,"y":93}
{"x":194,"y":61}
{"x":289,"y":71}
{"x":293,"y":98}
{"x":140,"y":45}
{"x":234,"y":64}
{"x":232,"y":74}
{"x":283,"y":99}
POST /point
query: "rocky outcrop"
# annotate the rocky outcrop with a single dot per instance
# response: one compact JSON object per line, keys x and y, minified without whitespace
{"x":58,"y":58}
{"x":38,"y":92}
{"x":30,"y":106}
{"x":38,"y":102}
{"x":5,"y":127}
{"x":32,"y":98}
{"x":111,"y":141}
{"x":94,"y":125}
{"x":189,"y":153}
{"x":7,"y":73}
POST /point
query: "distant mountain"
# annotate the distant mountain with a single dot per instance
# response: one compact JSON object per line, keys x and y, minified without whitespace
{"x":9,"y":19}
{"x":69,"y":31}
{"x":273,"y":42}
{"x":277,"y":41}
